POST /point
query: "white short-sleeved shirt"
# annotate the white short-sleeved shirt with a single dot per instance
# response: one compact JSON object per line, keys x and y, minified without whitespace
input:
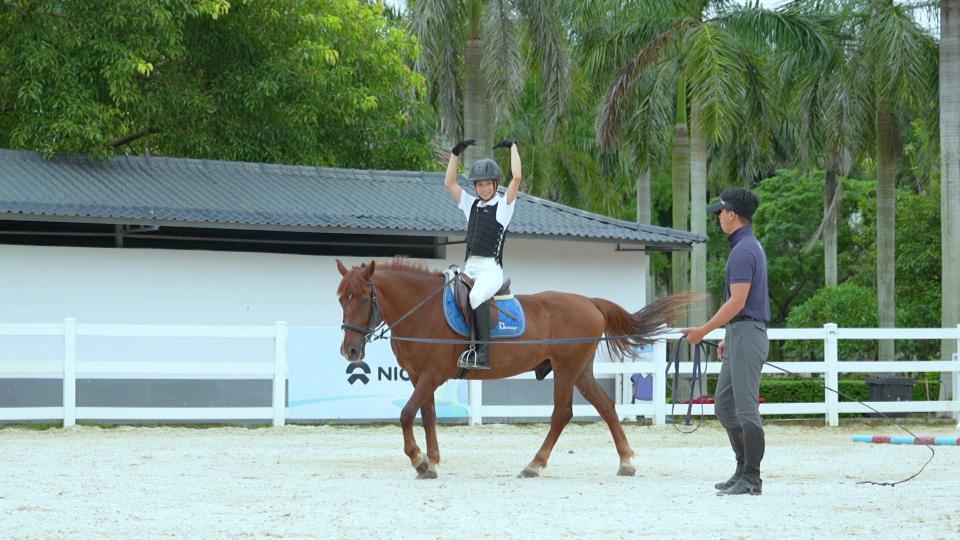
{"x":504,"y":210}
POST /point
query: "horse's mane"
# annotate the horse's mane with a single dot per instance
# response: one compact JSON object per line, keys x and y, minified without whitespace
{"x":400,"y":264}
{"x":354,"y":284}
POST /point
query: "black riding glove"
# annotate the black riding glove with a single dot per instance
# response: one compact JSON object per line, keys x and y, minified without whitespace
{"x":506,"y":143}
{"x":461,"y":146}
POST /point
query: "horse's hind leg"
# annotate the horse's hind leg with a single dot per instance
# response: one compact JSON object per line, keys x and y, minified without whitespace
{"x":562,"y":413}
{"x":594,"y":393}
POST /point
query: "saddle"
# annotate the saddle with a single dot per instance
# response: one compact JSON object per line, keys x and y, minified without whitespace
{"x":461,"y":293}
{"x":506,"y":315}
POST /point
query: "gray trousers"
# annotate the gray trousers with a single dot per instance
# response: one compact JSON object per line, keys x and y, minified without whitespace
{"x":737,"y":398}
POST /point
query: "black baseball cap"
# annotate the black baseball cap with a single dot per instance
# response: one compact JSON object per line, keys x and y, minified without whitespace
{"x":742,"y":201}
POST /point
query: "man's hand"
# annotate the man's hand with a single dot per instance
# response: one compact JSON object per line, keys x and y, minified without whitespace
{"x":461,"y":146}
{"x":506,"y":143}
{"x":694,"y":334}
{"x":720,"y":347}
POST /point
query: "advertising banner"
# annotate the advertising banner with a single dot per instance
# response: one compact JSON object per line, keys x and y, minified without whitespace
{"x":325,"y":386}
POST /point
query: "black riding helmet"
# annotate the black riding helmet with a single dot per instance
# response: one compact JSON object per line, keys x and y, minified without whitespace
{"x":485,"y":169}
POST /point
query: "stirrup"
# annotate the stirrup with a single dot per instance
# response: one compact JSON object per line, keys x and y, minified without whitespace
{"x":468,"y":358}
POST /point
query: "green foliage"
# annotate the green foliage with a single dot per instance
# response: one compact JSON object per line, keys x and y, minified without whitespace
{"x":918,"y":270}
{"x":853,"y":303}
{"x":810,"y":390}
{"x":323,"y":82}
{"x":849,"y":306}
{"x":791,"y":208}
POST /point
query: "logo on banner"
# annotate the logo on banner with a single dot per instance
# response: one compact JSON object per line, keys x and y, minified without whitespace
{"x":354,"y":377}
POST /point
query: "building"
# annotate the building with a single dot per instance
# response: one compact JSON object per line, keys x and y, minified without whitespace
{"x":147,"y":240}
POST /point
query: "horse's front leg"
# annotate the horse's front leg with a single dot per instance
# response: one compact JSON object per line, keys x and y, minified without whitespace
{"x":422,"y":392}
{"x":428,"y":414}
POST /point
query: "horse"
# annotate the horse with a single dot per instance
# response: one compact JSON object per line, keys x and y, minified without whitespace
{"x":398,"y":294}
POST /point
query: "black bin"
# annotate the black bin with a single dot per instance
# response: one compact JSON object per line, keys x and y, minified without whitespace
{"x":889,"y":388}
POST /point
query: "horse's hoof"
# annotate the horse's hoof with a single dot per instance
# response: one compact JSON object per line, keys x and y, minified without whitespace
{"x":529,"y":472}
{"x":627,"y":470}
{"x":427,"y":471}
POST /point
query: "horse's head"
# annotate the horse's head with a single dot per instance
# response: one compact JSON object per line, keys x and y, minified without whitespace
{"x":361,"y":312}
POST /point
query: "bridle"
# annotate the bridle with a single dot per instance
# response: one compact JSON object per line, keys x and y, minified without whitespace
{"x":376,"y":317}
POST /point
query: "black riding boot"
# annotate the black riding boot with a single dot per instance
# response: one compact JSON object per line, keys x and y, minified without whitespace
{"x":736,"y":442}
{"x":481,"y":326}
{"x":754,"y":445}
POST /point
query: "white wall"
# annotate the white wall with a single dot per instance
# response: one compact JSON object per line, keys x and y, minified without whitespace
{"x":41,"y":284}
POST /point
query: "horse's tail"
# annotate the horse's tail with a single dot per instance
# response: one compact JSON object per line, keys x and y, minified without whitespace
{"x":640,"y":328}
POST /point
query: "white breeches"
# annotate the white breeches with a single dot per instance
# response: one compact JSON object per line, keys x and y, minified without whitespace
{"x":487,"y":276}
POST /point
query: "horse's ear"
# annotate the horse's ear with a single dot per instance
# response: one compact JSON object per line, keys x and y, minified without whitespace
{"x":343,"y":269}
{"x":370,"y":269}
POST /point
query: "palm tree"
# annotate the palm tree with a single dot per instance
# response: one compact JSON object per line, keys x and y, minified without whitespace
{"x":714,"y":53}
{"x":829,"y":111}
{"x":949,"y":173}
{"x":471,"y":59}
{"x":894,"y":60}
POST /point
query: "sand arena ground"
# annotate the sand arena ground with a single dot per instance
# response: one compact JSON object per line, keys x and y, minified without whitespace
{"x":354,"y":482}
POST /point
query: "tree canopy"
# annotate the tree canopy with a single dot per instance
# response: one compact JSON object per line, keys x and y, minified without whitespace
{"x":325,"y":82}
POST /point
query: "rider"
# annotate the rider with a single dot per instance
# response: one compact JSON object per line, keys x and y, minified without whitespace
{"x":488,"y":215}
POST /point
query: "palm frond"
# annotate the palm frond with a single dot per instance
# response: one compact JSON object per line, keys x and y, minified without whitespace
{"x":548,"y":41}
{"x":612,"y":109}
{"x":502,"y":69}
{"x":808,"y":33}
{"x":438,"y":27}
{"x":903,"y":55}
{"x":716,"y":74}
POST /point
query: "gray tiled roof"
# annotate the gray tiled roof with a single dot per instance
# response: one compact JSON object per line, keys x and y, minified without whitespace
{"x":203,"y":193}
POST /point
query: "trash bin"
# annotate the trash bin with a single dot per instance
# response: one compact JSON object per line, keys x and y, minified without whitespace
{"x":890,"y":388}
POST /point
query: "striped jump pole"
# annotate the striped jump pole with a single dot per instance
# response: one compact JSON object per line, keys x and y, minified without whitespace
{"x":888,"y":439}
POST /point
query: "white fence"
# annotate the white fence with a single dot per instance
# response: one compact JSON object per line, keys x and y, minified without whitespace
{"x":831,"y":367}
{"x":68,"y":369}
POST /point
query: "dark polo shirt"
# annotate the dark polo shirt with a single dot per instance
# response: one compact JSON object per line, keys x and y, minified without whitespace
{"x":747,"y":263}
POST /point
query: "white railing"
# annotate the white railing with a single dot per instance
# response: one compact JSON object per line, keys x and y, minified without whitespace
{"x":831,"y":367}
{"x":69,"y":369}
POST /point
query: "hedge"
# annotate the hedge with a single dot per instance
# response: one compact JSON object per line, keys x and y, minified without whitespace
{"x":810,"y":390}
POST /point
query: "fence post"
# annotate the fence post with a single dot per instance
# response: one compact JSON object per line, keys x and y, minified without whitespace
{"x":831,"y":377}
{"x":659,"y":383}
{"x":475,"y":392}
{"x":955,"y":381}
{"x":69,"y":372}
{"x":280,"y":374}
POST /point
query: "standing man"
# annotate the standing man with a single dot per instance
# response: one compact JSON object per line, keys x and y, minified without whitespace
{"x":488,"y":215}
{"x":745,"y":312}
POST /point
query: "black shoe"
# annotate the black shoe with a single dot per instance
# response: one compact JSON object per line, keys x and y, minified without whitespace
{"x":481,"y":317}
{"x":735,"y":435}
{"x":743,"y":487}
{"x":729,"y":483}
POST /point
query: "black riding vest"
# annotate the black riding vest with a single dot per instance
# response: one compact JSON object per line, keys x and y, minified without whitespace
{"x":485,"y":235}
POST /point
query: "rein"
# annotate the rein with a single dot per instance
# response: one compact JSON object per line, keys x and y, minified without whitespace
{"x":374,"y":332}
{"x":377,"y":328}
{"x":696,"y":376}
{"x":376,"y":315}
{"x":841,"y":394}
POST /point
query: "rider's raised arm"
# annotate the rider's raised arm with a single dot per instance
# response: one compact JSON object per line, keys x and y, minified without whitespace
{"x":514,"y":186}
{"x":450,"y":180}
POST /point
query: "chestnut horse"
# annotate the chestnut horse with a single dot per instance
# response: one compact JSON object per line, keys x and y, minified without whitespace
{"x":370,"y":294}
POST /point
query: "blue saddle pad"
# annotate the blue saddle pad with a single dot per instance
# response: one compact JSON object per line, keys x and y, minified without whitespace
{"x":506,"y":325}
